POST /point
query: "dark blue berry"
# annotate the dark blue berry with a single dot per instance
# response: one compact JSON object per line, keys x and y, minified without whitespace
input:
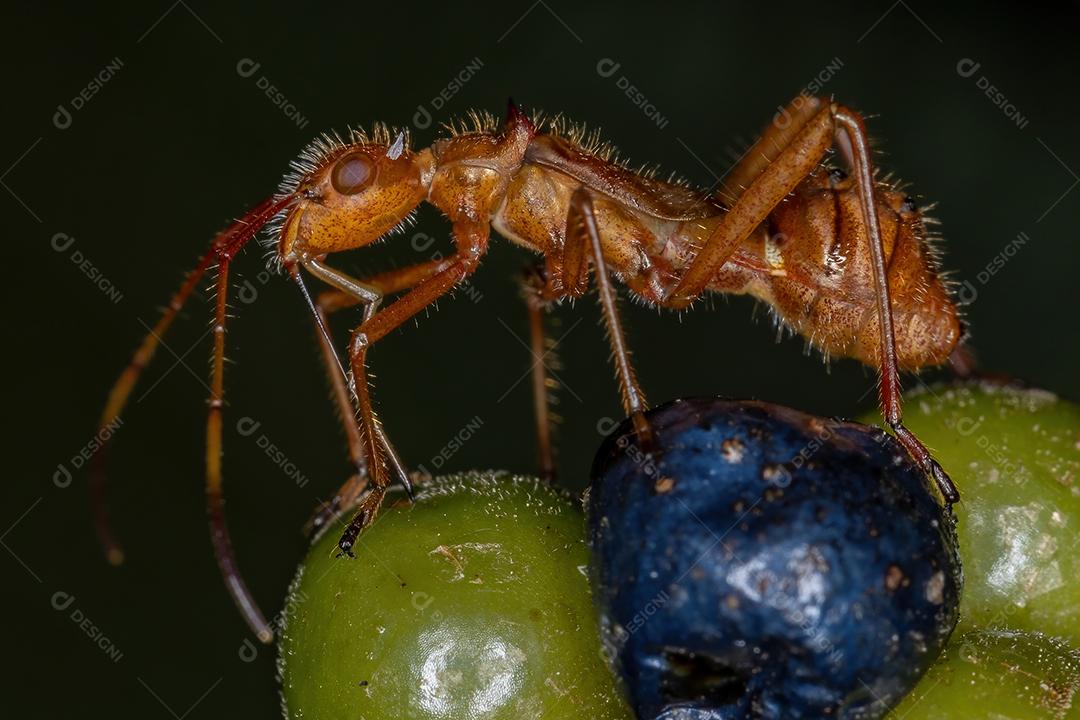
{"x":754,"y":561}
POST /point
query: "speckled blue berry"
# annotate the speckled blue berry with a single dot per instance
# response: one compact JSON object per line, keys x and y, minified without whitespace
{"x":760,"y":562}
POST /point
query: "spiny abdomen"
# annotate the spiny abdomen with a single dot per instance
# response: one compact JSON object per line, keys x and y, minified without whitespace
{"x":814,"y":269}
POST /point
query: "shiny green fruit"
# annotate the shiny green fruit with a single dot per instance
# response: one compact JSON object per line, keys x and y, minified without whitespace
{"x":471,"y":603}
{"x":1015,"y":455}
{"x":1001,"y":675}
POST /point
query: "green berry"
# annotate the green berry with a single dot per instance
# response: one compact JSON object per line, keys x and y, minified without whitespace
{"x":991,"y":674}
{"x":1015,"y":455}
{"x":470,"y":603}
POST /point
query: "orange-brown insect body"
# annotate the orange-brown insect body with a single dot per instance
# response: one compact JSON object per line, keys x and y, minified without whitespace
{"x":809,"y":261}
{"x":843,"y":261}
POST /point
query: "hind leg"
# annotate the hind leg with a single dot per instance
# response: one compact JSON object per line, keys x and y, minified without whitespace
{"x":776,"y":165}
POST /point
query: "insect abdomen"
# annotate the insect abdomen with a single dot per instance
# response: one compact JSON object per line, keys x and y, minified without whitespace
{"x":817,"y":274}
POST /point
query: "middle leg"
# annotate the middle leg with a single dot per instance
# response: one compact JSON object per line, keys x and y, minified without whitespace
{"x":344,"y":294}
{"x":471,"y":239}
{"x":582,"y":242}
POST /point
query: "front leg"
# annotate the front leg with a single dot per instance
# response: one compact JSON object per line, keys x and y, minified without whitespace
{"x":347,"y":292}
{"x":471,"y":239}
{"x":370,"y":296}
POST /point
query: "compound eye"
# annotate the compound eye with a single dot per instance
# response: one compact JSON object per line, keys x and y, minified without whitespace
{"x":907,"y":205}
{"x":352,"y":174}
{"x":837,"y":176}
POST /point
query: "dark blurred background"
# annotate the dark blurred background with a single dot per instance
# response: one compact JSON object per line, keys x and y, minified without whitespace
{"x":110,"y":194}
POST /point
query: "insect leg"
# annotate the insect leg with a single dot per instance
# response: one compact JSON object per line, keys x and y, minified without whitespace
{"x":889,"y":385}
{"x":583,"y":239}
{"x":370,"y":297}
{"x":356,"y":483}
{"x":532,"y":289}
{"x":783,"y":170}
{"x":472,"y":243}
{"x":779,"y":177}
{"x":779,"y":134}
{"x":331,"y":301}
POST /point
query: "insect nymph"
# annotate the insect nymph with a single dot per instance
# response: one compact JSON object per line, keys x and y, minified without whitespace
{"x":841,"y":258}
